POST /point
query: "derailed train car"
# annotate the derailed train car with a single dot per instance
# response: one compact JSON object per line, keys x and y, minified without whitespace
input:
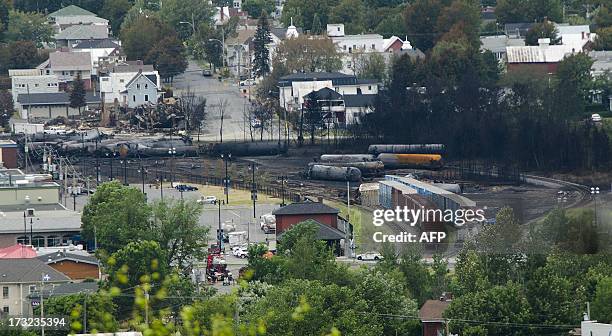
{"x":367,"y":168}
{"x":408,"y":149}
{"x":420,"y":161}
{"x":331,"y":173}
{"x":347,"y":158}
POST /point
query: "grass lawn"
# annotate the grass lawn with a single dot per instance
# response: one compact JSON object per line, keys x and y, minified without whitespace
{"x":236,"y":196}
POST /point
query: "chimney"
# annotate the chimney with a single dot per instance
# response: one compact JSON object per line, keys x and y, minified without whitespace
{"x":583,"y":35}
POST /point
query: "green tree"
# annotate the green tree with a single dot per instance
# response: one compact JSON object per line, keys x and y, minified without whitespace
{"x":351,"y":14}
{"x":502,"y":304}
{"x":542,"y":30}
{"x":308,"y":55}
{"x":371,"y":66}
{"x":461,"y":20}
{"x":391,"y":25}
{"x":602,"y":304}
{"x":168,"y":57}
{"x":416,"y":274}
{"x":77,"y":93}
{"x":7,"y":108}
{"x":100,"y":311}
{"x":603,"y":40}
{"x":115,"y":11}
{"x":4,"y":17}
{"x":135,"y":263}
{"x":603,"y":16}
{"x":23,"y":55}
{"x":256,"y":7}
{"x":511,"y":11}
{"x":539,"y":10}
{"x":193,"y":11}
{"x":421,"y":19}
{"x":116,"y":215}
{"x":177,"y":229}
{"x":261,"y":54}
{"x":28,"y":27}
{"x":573,"y":82}
{"x":142,"y":35}
{"x":317,"y":28}
{"x":303,"y":12}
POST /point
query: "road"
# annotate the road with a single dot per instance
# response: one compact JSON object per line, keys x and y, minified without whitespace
{"x":216,"y":93}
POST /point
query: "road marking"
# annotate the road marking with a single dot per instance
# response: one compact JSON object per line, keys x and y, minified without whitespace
{"x":234,"y":213}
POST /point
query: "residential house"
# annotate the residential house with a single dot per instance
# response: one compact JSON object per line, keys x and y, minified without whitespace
{"x":497,"y":45}
{"x":432,"y":318}
{"x":338,"y":109}
{"x":19,"y":278}
{"x":76,"y":266}
{"x":114,"y":78}
{"x":17,"y":251}
{"x":25,"y":81}
{"x":73,"y":35}
{"x":74,"y":15}
{"x":8,"y":154}
{"x":293,"y":88}
{"x":602,"y":65}
{"x":67,"y":65}
{"x":577,"y":37}
{"x":593,"y":328}
{"x":238,"y":51}
{"x":100,"y":51}
{"x":47,"y":106}
{"x":141,"y":90}
{"x":517,"y":30}
{"x":542,"y":59}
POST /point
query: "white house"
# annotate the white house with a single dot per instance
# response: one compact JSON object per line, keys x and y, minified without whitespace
{"x":76,"y":34}
{"x":67,"y":65}
{"x":24,"y":81}
{"x":140,"y":90}
{"x":115,"y":78}
{"x":357,"y":94}
{"x":99,"y":50}
{"x":575,"y":37}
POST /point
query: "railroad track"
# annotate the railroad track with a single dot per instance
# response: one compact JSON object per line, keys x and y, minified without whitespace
{"x":582,"y":192}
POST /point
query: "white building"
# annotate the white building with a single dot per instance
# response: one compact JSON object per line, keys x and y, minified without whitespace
{"x":141,"y":90}
{"x":67,"y":65}
{"x":74,"y":15}
{"x":24,"y":81}
{"x":99,"y":50}
{"x":113,"y":84}
{"x":575,"y":37}
{"x":592,"y":328}
{"x":357,"y":95}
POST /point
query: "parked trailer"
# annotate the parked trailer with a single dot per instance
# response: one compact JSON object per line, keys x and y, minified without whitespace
{"x":408,"y":149}
{"x":249,"y":148}
{"x":371,"y":168}
{"x":321,"y":172}
{"x":424,"y":161}
{"x":347,"y":158}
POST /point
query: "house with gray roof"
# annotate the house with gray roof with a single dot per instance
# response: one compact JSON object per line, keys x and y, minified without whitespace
{"x":67,"y":65}
{"x":75,"y":34}
{"x":141,"y":90}
{"x":69,"y":16}
{"x":47,"y":106}
{"x":115,"y":77}
{"x":19,"y":278}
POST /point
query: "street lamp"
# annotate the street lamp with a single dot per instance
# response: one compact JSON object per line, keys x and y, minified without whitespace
{"x":189,"y":23}
{"x":222,"y":46}
{"x":111,"y":156}
{"x":219,"y":230}
{"x":252,"y":168}
{"x":595,"y":193}
{"x":226,"y":180}
{"x":283,"y":179}
{"x":125,"y":163}
{"x":143,"y":172}
{"x":172,"y":152}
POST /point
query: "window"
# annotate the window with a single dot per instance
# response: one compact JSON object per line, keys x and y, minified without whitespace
{"x":24,"y":240}
{"x":5,"y":310}
{"x":36,"y":85}
{"x":358,"y":91}
{"x":121,"y":81}
{"x":38,"y":241}
{"x":32,"y":289}
{"x":344,"y":46}
{"x":146,"y":86}
{"x":338,"y":28}
{"x":53,"y":241}
{"x":105,"y":79}
{"x":138,"y":86}
{"x":5,"y":292}
{"x":373,"y":46}
{"x":370,"y":87}
{"x":146,"y":98}
{"x":133,"y":98}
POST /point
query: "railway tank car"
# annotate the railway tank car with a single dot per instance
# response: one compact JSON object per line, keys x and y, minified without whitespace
{"x":347,"y":158}
{"x":407,"y":149}
{"x":422,"y":161}
{"x":331,"y":173}
{"x":367,"y":168}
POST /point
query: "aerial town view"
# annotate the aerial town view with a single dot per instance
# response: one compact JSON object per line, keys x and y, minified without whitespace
{"x":306,"y":167}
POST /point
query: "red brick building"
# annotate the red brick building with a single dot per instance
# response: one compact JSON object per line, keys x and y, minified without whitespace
{"x":292,"y":214}
{"x":431,"y":315}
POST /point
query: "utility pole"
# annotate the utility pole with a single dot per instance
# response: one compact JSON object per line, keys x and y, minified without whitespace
{"x":252,"y":167}
{"x":226,"y":181}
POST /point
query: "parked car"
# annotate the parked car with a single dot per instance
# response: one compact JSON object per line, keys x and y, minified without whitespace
{"x":207,"y":72}
{"x":369,"y":256}
{"x":207,"y":200}
{"x":247,"y":82}
{"x":241,"y":252}
{"x":185,"y":187}
{"x":595,"y":117}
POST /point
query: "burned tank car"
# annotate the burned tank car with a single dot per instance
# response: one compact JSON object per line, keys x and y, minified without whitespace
{"x":347,"y":157}
{"x":367,"y":168}
{"x":331,"y":173}
{"x":249,"y":148}
{"x":408,"y":149}
{"x":422,"y":161}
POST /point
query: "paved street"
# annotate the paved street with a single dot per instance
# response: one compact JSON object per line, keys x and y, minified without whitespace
{"x":214,"y":91}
